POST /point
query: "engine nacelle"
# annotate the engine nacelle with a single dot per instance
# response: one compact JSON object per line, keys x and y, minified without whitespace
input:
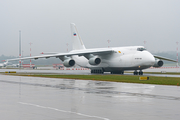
{"x":69,"y":63}
{"x":94,"y":60}
{"x":158,"y":63}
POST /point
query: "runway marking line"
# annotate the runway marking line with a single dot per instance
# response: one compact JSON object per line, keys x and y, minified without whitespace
{"x":44,"y":107}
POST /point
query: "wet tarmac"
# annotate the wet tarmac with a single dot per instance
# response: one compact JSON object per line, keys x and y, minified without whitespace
{"x":33,"y":98}
{"x":49,"y":71}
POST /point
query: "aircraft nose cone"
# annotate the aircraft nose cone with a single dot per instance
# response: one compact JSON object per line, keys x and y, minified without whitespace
{"x":152,"y":60}
{"x":149,"y":58}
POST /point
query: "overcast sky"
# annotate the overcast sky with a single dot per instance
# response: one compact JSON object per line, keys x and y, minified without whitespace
{"x":46,"y":24}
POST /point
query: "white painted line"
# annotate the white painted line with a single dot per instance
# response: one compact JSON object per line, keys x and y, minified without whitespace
{"x":81,"y":114}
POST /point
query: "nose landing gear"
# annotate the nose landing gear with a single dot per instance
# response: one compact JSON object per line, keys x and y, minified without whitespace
{"x":138,"y":73}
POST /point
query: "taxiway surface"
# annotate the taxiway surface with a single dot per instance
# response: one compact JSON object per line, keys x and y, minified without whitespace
{"x":34,"y":98}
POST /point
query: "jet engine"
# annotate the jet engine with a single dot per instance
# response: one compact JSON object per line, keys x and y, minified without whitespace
{"x":94,"y":60}
{"x":5,"y":64}
{"x":158,"y":63}
{"x":69,"y":63}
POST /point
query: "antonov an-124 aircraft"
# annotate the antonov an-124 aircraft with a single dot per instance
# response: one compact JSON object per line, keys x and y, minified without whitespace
{"x":115,"y":60}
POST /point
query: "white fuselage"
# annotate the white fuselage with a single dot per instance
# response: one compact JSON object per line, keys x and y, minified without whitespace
{"x":122,"y":58}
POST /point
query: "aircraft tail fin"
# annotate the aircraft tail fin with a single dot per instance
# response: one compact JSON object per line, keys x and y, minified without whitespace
{"x":77,"y":41}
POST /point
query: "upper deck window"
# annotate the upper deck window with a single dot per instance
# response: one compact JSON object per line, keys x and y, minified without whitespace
{"x":141,"y":49}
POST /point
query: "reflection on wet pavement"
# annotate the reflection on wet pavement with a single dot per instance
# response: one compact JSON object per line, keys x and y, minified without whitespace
{"x":49,"y":98}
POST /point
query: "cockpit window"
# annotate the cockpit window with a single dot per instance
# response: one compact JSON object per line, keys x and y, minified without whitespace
{"x":141,"y":49}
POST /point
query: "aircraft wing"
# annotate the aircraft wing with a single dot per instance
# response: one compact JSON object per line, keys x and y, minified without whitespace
{"x":75,"y":52}
{"x":48,"y":53}
{"x":163,"y":58}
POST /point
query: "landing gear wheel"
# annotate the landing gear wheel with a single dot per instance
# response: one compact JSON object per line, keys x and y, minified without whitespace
{"x":118,"y":72}
{"x":97,"y":71}
{"x":135,"y":72}
{"x":140,"y":72}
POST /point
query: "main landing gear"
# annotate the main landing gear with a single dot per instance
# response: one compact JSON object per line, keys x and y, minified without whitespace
{"x":97,"y":71}
{"x":118,"y":72}
{"x":138,"y":73}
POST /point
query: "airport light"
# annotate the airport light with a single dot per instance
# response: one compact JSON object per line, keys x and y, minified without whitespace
{"x":30,"y":53}
{"x":67,"y":46}
{"x":177,"y":53}
{"x":108,"y":42}
{"x":22,"y":57}
{"x":20,"y":45}
{"x":145,"y":44}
